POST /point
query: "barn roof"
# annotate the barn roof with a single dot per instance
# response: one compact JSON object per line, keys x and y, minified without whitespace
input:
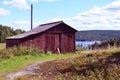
{"x":39,"y":29}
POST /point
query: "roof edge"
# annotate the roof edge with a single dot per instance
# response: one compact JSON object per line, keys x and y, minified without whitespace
{"x":51,"y":23}
{"x":32,"y":32}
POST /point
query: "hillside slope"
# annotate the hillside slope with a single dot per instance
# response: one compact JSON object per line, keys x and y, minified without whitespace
{"x":99,"y":35}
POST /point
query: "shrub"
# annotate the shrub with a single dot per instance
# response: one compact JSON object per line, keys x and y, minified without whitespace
{"x":49,"y":53}
{"x":92,"y":67}
{"x":19,"y":51}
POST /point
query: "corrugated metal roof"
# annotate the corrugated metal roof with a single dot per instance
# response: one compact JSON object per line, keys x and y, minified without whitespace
{"x":39,"y":29}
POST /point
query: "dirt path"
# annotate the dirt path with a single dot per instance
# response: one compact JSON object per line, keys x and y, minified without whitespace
{"x":27,"y":70}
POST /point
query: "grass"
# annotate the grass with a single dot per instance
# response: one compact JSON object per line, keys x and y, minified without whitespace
{"x":90,"y":65}
{"x":15,"y":59}
{"x":2,"y":46}
{"x":19,"y":62}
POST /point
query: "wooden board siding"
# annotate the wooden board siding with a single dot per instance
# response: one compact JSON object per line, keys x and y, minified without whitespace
{"x":37,"y":41}
{"x":53,"y":42}
{"x":13,"y":42}
{"x":67,"y":43}
{"x":62,"y":38}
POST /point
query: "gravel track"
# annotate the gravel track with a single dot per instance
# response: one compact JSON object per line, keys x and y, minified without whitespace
{"x":28,"y":70}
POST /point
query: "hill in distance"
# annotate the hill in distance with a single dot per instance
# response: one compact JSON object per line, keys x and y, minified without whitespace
{"x":98,"y":35}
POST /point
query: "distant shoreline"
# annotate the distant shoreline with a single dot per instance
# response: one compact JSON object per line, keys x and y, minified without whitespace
{"x":98,"y":35}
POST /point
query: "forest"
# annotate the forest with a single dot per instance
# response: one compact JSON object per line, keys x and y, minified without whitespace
{"x":6,"y":31}
{"x":99,"y":35}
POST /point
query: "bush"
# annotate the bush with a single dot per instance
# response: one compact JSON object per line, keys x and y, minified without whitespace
{"x":49,"y":53}
{"x":19,"y":51}
{"x":92,"y":67}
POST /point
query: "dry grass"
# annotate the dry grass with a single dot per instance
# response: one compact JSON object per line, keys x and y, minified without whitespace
{"x":2,"y":46}
{"x":93,"y":65}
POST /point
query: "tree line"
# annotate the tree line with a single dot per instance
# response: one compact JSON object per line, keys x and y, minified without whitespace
{"x":106,"y":44}
{"x":7,"y":31}
{"x":111,"y":43}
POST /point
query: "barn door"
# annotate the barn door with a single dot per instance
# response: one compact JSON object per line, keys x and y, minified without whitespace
{"x":53,"y":42}
{"x":57,"y":48}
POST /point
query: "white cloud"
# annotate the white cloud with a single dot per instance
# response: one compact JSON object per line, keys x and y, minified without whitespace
{"x":106,"y":17}
{"x":44,"y":0}
{"x":101,"y":18}
{"x":21,"y":4}
{"x":4,"y":12}
{"x":24,"y":25}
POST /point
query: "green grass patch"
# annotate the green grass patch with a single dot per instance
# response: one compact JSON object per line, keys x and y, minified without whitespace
{"x":15,"y":63}
{"x":19,"y":62}
{"x":17,"y":58}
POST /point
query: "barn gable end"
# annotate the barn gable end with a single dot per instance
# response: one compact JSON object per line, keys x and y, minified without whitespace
{"x":47,"y":37}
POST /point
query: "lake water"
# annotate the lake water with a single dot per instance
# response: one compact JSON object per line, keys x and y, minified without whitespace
{"x":86,"y":43}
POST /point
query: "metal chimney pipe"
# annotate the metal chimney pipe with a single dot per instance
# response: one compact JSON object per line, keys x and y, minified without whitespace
{"x":31,"y":16}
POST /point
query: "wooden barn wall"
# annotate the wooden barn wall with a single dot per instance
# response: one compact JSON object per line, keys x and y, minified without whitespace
{"x":12,"y":42}
{"x":37,"y":41}
{"x":61,"y":37}
{"x":52,"y":42}
{"x":68,"y":43}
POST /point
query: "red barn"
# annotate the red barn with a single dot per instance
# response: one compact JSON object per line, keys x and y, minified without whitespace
{"x":55,"y":37}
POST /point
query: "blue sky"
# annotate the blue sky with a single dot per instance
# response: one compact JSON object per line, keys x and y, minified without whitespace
{"x":80,"y":14}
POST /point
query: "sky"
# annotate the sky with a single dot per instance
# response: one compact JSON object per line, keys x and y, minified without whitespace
{"x":80,"y":14}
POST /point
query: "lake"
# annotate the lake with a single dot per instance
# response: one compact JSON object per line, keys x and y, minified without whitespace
{"x":85,"y":44}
